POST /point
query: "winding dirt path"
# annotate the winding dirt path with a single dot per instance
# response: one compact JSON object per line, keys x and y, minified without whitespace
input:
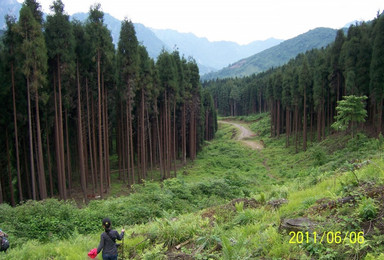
{"x":244,"y":134}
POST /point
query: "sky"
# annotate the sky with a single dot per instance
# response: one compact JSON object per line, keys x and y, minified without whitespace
{"x":240,"y":21}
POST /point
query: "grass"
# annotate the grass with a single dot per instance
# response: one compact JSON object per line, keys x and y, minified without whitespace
{"x":219,"y":206}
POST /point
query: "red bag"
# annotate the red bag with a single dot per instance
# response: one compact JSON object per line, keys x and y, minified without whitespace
{"x":93,"y":253}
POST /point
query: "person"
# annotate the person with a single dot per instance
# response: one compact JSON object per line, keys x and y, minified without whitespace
{"x":3,"y":235}
{"x":108,"y":241}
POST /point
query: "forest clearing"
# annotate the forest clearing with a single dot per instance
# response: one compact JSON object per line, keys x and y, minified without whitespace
{"x":225,"y":205}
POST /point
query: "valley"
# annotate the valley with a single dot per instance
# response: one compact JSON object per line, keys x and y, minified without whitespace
{"x":228,"y":205}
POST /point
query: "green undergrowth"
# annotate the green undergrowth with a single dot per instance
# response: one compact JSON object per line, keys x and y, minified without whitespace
{"x":230,"y":203}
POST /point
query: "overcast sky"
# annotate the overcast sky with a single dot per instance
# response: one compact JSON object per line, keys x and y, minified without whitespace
{"x":240,"y":21}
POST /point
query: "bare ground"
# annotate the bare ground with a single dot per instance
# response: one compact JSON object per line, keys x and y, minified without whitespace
{"x":244,"y":134}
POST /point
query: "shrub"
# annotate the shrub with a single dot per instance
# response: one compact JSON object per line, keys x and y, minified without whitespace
{"x":367,"y":209}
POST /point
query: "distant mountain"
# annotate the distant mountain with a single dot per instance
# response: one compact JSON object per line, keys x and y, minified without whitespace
{"x":11,"y":7}
{"x":214,"y":54}
{"x":144,"y":35}
{"x":277,"y":55}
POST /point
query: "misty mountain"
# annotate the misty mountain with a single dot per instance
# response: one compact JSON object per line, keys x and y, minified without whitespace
{"x":277,"y":55}
{"x":214,"y":54}
{"x":144,"y":35}
{"x":11,"y":7}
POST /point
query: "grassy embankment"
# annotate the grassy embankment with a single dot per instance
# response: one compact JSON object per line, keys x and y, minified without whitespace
{"x":228,"y":204}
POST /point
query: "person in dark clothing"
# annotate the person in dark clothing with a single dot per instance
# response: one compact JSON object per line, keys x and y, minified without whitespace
{"x":4,"y":236}
{"x":108,"y":241}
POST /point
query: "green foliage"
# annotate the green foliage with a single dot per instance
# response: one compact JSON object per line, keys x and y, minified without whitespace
{"x":367,"y":209}
{"x":350,"y":110}
{"x":278,"y":55}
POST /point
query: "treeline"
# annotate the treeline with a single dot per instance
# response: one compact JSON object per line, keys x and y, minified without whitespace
{"x":302,"y":95}
{"x":70,"y":101}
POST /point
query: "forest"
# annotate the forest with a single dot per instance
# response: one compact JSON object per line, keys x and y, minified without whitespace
{"x":75,"y":108}
{"x":302,"y":96}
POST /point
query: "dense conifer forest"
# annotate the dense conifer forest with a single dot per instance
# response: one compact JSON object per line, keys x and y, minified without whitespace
{"x":72,"y":104}
{"x":302,"y":95}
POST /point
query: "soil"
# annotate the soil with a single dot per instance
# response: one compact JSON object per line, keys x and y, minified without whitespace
{"x":244,"y":134}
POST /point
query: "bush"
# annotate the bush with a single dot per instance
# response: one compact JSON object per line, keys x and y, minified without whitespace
{"x":367,"y":209}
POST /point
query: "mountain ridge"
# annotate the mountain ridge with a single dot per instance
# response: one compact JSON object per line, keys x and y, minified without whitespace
{"x":210,"y":56}
{"x":216,"y":53}
{"x":277,"y":55}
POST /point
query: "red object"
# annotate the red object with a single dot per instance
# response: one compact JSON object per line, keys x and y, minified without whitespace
{"x":93,"y":253}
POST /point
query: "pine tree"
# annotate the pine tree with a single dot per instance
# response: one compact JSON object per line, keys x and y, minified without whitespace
{"x":305,"y":81}
{"x":127,"y":64}
{"x":377,"y":71}
{"x":34,"y":68}
{"x":11,"y":42}
{"x":60,"y":45}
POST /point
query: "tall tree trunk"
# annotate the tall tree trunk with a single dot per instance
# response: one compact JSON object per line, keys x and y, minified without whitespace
{"x":10,"y":184}
{"x":296,"y":127}
{"x":16,"y":135}
{"x":278,"y":119}
{"x":31,"y":142}
{"x":42,"y":182}
{"x":108,"y":171}
{"x":319,"y":123}
{"x":128,"y":147}
{"x":287,"y":127}
{"x":305,"y":121}
{"x":49,"y":162}
{"x":380,"y":117}
{"x":149,"y":127}
{"x":174,"y":139}
{"x":90,"y":139}
{"x":57,"y":145}
{"x":160,"y":148}
{"x":142,"y":140}
{"x":183,"y":136}
{"x":83,"y":179}
{"x":131,"y":151}
{"x":61,"y":130}
{"x":99,"y":127}
{"x":69,"y":166}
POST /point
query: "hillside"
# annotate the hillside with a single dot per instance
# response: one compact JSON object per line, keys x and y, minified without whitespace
{"x":277,"y":55}
{"x":217,"y":54}
{"x":233,"y":202}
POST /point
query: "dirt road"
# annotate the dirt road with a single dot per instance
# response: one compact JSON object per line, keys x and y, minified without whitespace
{"x":244,"y":134}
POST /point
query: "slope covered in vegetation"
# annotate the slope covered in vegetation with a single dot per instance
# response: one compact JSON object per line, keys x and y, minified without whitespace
{"x":233,"y":202}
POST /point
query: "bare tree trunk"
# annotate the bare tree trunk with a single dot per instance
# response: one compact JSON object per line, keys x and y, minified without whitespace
{"x":131,"y":153}
{"x":49,"y":163}
{"x":9,"y":170}
{"x":287,"y":127}
{"x":83,"y":179}
{"x":159,"y":142}
{"x":184,"y":136}
{"x":90,"y":139}
{"x":16,"y":135}
{"x":69,"y":166}
{"x":174,"y":139}
{"x":380,"y":117}
{"x":41,"y":172}
{"x":150,"y":143}
{"x":128,"y":148}
{"x":305,"y":122}
{"x":99,"y":127}
{"x":57,"y":145}
{"x":31,"y":143}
